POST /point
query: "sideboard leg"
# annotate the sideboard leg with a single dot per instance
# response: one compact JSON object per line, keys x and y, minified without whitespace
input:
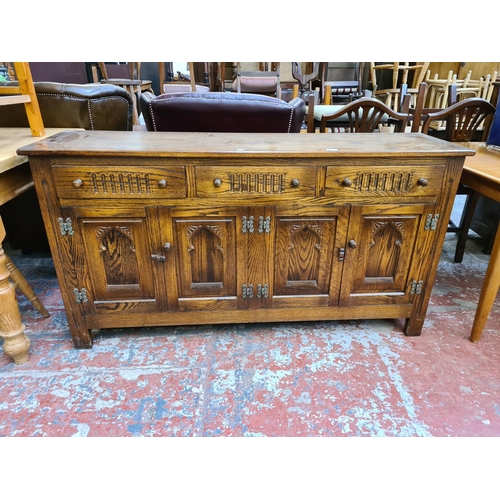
{"x":83,"y":340}
{"x":16,"y":344}
{"x":413,"y":327}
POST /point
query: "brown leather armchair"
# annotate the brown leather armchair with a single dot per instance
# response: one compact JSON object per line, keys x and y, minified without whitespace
{"x":63,"y":105}
{"x":221,"y":112}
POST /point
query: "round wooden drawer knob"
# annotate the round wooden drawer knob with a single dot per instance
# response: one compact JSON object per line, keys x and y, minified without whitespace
{"x":77,"y":183}
{"x":162,"y":184}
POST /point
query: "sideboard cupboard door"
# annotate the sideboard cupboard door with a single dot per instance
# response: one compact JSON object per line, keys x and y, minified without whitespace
{"x":383,"y":253}
{"x":308,"y":257}
{"x":119,"y":271}
{"x":205,"y":254}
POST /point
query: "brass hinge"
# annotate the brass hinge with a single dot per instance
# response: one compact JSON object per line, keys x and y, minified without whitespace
{"x":416,"y":287}
{"x":65,"y":227}
{"x":431,"y":222}
{"x":247,"y":224}
{"x":80,"y":296}
{"x":264,"y":224}
{"x":262,"y":291}
{"x":247,"y":291}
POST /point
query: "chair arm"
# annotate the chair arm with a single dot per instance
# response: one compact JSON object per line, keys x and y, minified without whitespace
{"x":146,"y":110}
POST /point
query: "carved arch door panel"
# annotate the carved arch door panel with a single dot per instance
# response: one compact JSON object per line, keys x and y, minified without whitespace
{"x":203,"y":269}
{"x":123,"y":260}
{"x":382,"y":253}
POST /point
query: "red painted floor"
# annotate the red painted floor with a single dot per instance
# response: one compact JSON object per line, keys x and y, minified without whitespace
{"x":333,"y":378}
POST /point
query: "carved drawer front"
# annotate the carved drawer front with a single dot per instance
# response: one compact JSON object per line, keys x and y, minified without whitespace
{"x":217,"y":181}
{"x":384,"y":181}
{"x":113,"y":182}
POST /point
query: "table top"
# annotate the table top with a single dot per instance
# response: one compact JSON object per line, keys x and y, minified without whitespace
{"x":485,"y":163}
{"x":180,"y":144}
{"x":482,"y":171}
{"x":12,"y":138}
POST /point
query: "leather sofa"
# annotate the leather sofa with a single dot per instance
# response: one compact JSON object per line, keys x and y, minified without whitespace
{"x":63,"y":105}
{"x":221,"y":112}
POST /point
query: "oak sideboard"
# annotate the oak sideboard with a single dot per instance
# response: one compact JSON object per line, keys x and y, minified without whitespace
{"x":157,"y":229}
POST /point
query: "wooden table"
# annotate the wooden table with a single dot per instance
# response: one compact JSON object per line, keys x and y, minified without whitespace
{"x":482,"y":173}
{"x":15,"y":178}
{"x":15,"y":175}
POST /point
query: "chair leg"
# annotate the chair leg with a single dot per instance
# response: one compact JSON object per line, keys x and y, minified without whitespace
{"x":465,"y":223}
{"x":20,"y":282}
{"x":135,"y":116}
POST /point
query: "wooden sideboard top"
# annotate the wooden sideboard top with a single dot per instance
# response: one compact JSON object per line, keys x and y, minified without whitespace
{"x":180,"y":144}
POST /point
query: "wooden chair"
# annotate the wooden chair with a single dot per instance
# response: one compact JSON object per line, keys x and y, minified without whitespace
{"x":266,"y":81}
{"x":365,"y":115}
{"x":25,"y":94}
{"x":225,"y":76}
{"x":304,"y":79}
{"x":419,"y":113}
{"x":437,"y":89}
{"x":487,"y":87}
{"x":466,"y":88}
{"x":20,"y":282}
{"x":173,"y":87}
{"x":411,"y":74}
{"x":165,"y":73}
{"x":342,"y":91}
{"x":464,"y":121}
{"x":133,"y":84}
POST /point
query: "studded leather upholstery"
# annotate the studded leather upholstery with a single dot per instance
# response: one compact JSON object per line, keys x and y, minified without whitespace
{"x":91,"y":107}
{"x":221,"y":112}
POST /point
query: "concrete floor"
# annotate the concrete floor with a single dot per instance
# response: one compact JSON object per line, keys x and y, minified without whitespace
{"x":325,"y":378}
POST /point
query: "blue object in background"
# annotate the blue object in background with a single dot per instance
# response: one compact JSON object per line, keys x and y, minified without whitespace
{"x":494,"y":137}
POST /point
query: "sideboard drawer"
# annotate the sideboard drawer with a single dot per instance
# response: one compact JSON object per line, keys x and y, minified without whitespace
{"x":110,"y":182}
{"x":218,"y":181}
{"x":389,"y":181}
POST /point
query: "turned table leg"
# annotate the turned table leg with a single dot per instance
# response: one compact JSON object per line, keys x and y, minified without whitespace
{"x":16,"y":344}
